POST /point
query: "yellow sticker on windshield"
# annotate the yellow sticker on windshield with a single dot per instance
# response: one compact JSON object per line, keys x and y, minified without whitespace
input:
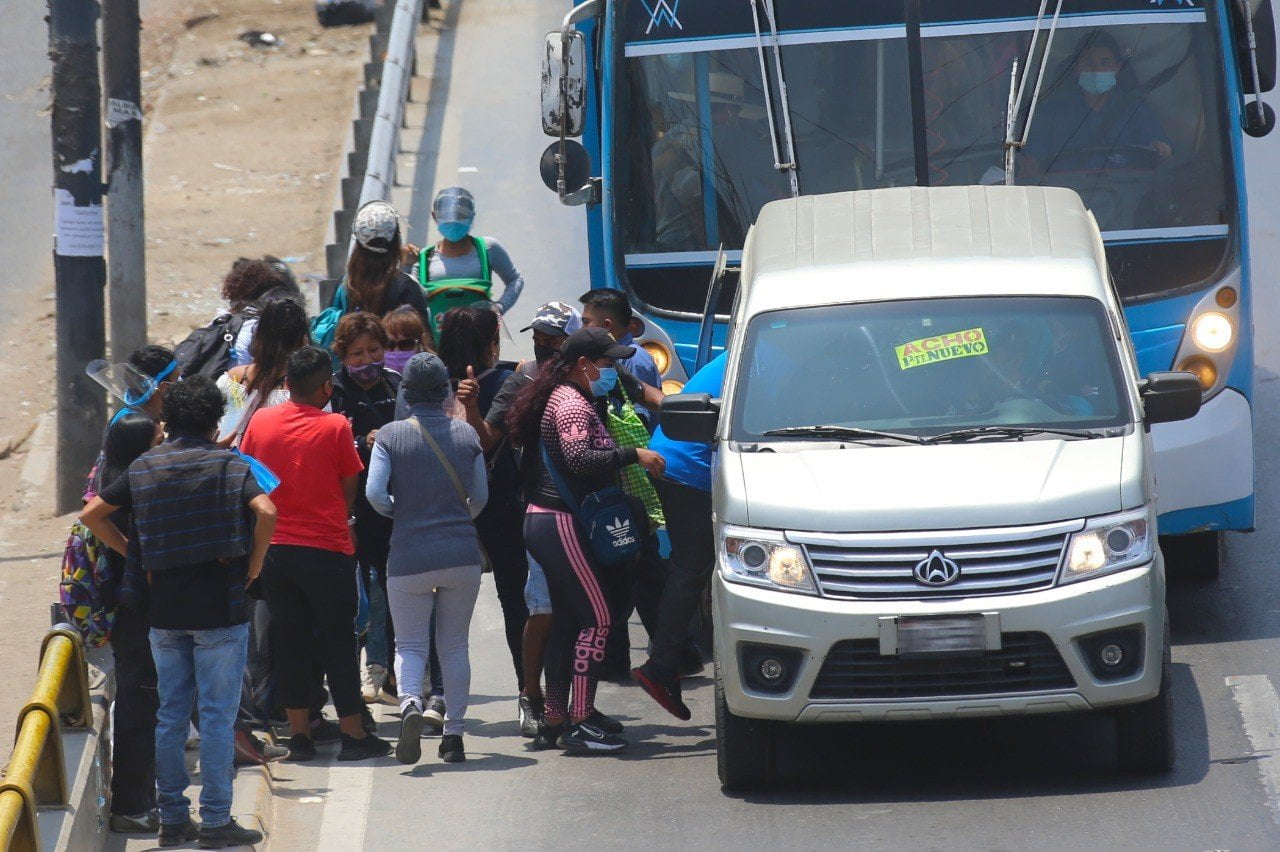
{"x":942,"y":347}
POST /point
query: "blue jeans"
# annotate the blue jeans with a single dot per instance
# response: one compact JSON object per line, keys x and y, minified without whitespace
{"x":209,"y":664}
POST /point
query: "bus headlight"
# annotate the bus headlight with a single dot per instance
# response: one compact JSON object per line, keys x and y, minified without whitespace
{"x":1212,"y":332}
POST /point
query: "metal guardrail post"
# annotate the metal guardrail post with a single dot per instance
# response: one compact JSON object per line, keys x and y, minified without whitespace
{"x":36,"y":774}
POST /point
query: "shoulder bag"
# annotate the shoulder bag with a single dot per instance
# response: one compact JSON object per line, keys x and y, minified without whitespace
{"x":605,"y":518}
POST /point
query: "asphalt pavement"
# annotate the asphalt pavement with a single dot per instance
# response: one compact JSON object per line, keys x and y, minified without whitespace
{"x":1046,"y":782}
{"x":26,"y":171}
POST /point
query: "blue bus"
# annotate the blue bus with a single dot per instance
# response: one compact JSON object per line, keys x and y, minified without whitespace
{"x":697,"y":112}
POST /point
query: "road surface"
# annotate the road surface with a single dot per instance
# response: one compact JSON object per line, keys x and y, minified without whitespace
{"x":1047,"y":783}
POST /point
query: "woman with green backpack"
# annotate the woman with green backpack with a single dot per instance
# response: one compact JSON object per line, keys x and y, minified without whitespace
{"x":458,"y":271}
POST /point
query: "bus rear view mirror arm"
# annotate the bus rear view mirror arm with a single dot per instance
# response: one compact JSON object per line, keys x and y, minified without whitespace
{"x":1170,"y":396}
{"x":691,"y":417}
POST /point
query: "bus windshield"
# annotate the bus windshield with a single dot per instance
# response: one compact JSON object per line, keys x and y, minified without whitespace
{"x":1131,"y":115}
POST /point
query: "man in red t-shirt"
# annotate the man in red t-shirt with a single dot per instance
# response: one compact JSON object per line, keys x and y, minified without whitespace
{"x":310,"y":574}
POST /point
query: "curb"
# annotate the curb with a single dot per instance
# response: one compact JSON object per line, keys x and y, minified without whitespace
{"x":251,"y":797}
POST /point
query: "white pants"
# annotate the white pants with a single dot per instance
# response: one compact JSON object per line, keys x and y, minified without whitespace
{"x":451,"y":594}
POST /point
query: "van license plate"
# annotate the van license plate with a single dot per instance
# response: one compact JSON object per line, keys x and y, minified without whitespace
{"x":965,"y":634}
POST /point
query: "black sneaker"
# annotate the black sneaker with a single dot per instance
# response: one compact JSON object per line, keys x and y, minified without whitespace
{"x":547,"y":735}
{"x":367,"y":721}
{"x":409,"y":746}
{"x":301,"y":748}
{"x":178,"y":833}
{"x":147,"y":822}
{"x":451,"y":749}
{"x":691,"y":664}
{"x":586,"y":738}
{"x":662,"y":689}
{"x":434,"y":713}
{"x":368,"y":748}
{"x":604,"y":723}
{"x":231,"y":834}
{"x":529,"y":714}
{"x":325,"y":731}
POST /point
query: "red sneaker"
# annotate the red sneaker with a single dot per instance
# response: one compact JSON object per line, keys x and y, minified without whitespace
{"x":665,"y":691}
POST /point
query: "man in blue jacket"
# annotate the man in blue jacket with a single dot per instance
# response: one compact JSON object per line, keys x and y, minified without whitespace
{"x":685,"y":492}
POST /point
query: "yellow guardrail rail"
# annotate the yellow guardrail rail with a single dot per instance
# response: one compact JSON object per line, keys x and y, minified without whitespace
{"x":36,"y":776}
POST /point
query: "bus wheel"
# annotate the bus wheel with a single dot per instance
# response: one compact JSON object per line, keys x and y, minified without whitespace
{"x":1144,"y":732}
{"x":1196,"y":556}
{"x":744,"y":747}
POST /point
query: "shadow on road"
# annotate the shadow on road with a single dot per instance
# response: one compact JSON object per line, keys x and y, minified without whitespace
{"x":1015,"y":758}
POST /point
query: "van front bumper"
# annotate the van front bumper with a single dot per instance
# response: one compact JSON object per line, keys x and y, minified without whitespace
{"x":749,"y":617}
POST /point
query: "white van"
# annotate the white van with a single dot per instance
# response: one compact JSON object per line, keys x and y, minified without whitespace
{"x":933,"y":486}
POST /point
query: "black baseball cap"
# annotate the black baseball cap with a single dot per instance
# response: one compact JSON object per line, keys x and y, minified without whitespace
{"x":593,"y":343}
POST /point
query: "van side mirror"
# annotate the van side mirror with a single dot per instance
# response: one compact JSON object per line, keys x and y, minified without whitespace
{"x":564,"y":86}
{"x":691,"y":417}
{"x":1170,"y":396}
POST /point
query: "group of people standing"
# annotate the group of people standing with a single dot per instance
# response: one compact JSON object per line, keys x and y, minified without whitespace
{"x":266,"y":520}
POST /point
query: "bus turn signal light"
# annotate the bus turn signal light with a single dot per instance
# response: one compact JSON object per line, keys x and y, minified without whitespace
{"x":1204,"y":369}
{"x":1226,"y":297}
{"x":661,"y":357}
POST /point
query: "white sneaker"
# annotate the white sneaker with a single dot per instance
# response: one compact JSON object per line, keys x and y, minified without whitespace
{"x":371,"y":681}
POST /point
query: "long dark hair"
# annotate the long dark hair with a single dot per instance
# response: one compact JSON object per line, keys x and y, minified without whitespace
{"x":129,"y":437}
{"x":369,"y":275}
{"x":282,"y":329}
{"x":466,"y":339}
{"x":524,"y":418}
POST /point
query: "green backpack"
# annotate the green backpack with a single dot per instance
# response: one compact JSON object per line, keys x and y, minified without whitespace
{"x":449,"y":293}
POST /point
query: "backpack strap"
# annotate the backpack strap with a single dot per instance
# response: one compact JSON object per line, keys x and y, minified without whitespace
{"x":424,"y":265}
{"x":483,"y":251}
{"x":561,"y":486}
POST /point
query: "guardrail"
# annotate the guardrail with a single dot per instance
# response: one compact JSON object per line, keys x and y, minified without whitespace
{"x":375,"y":137}
{"x":36,"y":775}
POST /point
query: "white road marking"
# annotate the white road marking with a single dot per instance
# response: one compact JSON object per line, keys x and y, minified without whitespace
{"x":346,"y":808}
{"x":1260,"y":709}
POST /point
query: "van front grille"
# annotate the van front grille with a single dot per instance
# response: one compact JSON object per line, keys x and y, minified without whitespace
{"x":882,"y":566}
{"x":1026,"y":662}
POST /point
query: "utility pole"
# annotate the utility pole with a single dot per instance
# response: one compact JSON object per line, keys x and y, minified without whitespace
{"x":126,"y":233}
{"x":79,"y":270}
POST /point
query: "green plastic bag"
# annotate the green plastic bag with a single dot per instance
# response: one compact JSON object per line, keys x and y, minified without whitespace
{"x":628,"y":430}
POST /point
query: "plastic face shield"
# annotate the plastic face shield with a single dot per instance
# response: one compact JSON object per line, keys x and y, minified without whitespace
{"x":127,"y":383}
{"x":454,"y":205}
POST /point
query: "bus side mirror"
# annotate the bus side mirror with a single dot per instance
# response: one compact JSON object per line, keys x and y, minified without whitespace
{"x":691,"y":417}
{"x":564,"y":87}
{"x":1259,"y":119}
{"x":1170,"y":396}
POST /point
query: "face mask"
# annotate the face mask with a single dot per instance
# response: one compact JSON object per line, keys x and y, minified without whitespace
{"x":395,"y":359}
{"x":365,"y":372}
{"x":455,"y":231}
{"x":542,"y":354}
{"x":608,"y":379}
{"x":1097,"y":82}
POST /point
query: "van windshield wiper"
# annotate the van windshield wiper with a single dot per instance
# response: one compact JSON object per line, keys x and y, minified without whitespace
{"x":851,"y":432}
{"x":956,"y":436}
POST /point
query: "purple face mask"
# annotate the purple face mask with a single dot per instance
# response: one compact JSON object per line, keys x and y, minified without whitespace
{"x":395,"y":359}
{"x":366,"y":372}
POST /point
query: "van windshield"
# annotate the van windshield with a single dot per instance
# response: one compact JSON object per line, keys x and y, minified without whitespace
{"x":927,"y":366}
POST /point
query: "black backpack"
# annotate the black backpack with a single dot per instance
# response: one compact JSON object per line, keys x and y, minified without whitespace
{"x":207,"y":351}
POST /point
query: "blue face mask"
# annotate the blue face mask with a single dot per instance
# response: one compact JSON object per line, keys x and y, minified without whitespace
{"x":608,"y":379}
{"x":455,"y":231}
{"x":1097,"y":82}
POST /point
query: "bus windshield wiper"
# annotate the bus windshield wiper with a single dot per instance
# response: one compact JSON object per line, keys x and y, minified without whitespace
{"x":956,"y":436}
{"x":850,"y":432}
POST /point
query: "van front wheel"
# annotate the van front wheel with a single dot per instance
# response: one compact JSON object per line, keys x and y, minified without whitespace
{"x":1144,"y":732}
{"x":744,"y":747}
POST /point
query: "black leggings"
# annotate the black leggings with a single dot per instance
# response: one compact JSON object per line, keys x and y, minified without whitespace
{"x":501,"y":526}
{"x":313,"y":599}
{"x":580,"y":613}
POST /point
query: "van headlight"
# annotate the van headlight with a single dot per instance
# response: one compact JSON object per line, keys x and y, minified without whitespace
{"x":1110,"y":543}
{"x":763,"y":558}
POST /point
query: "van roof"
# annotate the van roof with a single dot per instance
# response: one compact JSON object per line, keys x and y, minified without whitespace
{"x":922,"y":222}
{"x":887,"y":243}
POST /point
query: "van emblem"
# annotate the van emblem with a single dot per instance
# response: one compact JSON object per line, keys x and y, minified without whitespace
{"x":936,"y":570}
